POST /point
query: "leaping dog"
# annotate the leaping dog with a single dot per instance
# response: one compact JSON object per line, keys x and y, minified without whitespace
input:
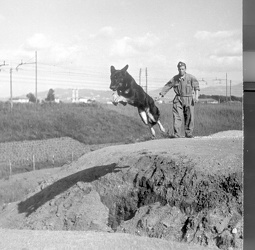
{"x":125,"y":85}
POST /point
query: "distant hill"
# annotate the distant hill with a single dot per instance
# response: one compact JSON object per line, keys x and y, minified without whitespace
{"x":65,"y":95}
{"x":236,"y":90}
{"x":206,"y":89}
{"x":103,"y":96}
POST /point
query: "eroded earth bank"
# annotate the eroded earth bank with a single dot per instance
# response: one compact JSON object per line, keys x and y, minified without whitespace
{"x":180,"y":190}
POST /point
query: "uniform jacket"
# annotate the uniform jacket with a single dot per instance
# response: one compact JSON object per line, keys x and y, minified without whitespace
{"x":183,"y":87}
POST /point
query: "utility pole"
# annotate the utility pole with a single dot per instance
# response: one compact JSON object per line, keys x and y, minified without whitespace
{"x":11,"y":88}
{"x":140,"y":75}
{"x":35,"y":76}
{"x":230,"y":90}
{"x":11,"y":70}
{"x":226,"y":87}
{"x":146,"y":77}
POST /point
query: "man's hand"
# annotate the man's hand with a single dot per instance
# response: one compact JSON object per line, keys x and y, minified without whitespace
{"x":196,"y":99}
{"x":157,"y":98}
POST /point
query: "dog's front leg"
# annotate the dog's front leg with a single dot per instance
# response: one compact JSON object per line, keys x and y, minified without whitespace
{"x":115,"y":98}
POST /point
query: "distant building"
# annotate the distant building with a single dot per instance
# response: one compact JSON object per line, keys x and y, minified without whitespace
{"x":83,"y":100}
{"x":20,"y":100}
{"x":208,"y":100}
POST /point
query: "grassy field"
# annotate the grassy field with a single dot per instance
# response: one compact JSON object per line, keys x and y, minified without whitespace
{"x":87,"y":123}
{"x":209,"y":118}
{"x":98,"y":123}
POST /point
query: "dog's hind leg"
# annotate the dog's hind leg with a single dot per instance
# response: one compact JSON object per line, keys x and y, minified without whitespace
{"x":161,"y":127}
{"x":144,"y":118}
{"x":152,"y":131}
{"x":150,"y":116}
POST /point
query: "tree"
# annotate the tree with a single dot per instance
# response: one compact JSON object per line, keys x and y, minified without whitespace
{"x":51,"y":96}
{"x":31,"y":97}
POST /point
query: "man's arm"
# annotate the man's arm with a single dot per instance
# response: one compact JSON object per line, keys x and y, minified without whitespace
{"x":195,"y":85}
{"x":196,"y":95}
{"x":165,"y":89}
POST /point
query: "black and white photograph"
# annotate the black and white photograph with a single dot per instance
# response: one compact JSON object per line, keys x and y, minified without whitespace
{"x":125,"y":124}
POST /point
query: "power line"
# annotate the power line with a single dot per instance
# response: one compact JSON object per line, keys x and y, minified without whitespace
{"x":89,"y":77}
{"x":59,"y":75}
{"x":97,"y":74}
{"x":35,"y":62}
{"x":146,"y":80}
{"x":3,"y":64}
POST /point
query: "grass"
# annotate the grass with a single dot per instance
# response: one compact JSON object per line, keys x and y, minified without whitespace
{"x":87,"y":123}
{"x":99,"y":124}
{"x":213,"y":118}
{"x":209,"y":118}
{"x":17,"y":186}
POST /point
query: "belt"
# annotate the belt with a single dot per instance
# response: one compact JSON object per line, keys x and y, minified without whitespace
{"x":184,"y":95}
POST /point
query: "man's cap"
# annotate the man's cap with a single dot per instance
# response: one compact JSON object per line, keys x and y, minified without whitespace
{"x":180,"y":64}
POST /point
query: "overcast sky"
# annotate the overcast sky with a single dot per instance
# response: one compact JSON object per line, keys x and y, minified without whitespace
{"x":78,"y":40}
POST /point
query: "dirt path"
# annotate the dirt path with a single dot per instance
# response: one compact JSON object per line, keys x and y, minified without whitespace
{"x":63,"y":240}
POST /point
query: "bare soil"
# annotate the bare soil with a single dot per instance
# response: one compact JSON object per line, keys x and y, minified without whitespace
{"x":182,"y":191}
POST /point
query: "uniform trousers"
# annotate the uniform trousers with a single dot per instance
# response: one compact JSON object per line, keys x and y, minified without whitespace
{"x":183,"y":107}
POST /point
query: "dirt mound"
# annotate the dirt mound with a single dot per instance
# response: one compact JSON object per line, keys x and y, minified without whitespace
{"x":179,"y":190}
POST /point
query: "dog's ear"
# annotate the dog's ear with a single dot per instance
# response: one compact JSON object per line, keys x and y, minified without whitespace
{"x":112,"y":69}
{"x":125,"y":68}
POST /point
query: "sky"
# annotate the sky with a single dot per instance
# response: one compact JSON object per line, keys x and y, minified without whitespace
{"x":77,"y":41}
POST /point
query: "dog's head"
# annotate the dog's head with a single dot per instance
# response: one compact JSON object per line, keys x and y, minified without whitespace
{"x":117,"y":78}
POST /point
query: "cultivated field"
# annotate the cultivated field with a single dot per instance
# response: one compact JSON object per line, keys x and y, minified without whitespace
{"x":25,"y":156}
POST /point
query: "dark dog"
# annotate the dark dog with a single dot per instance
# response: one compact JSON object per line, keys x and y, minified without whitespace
{"x":125,"y":85}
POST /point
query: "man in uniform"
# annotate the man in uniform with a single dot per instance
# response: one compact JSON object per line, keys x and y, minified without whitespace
{"x":186,"y":88}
